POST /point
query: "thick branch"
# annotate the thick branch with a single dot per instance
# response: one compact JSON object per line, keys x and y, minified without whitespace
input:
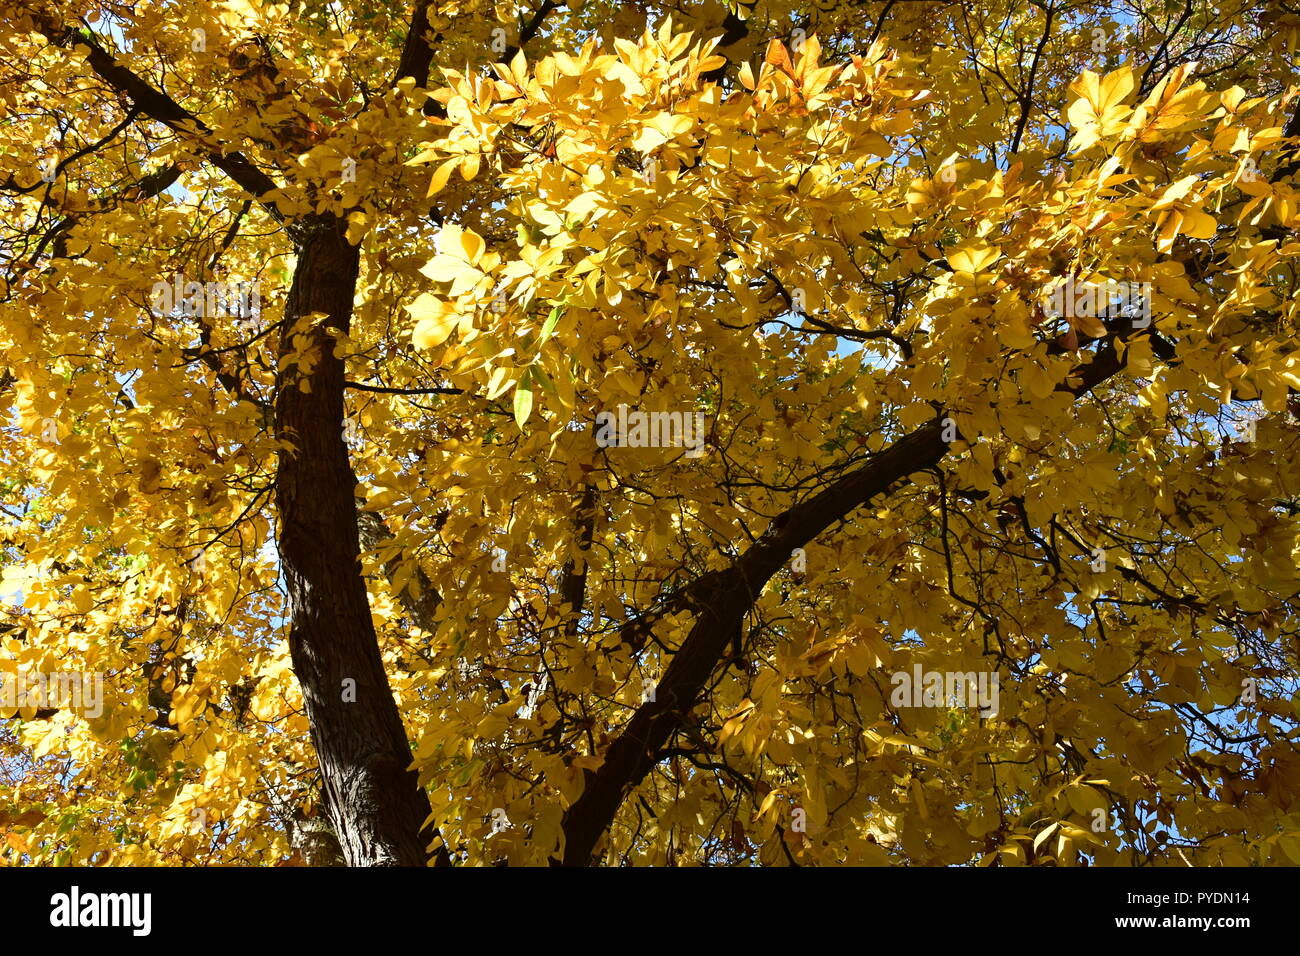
{"x":161,"y":107}
{"x":734,"y":30}
{"x":417,"y":54}
{"x":148,"y":187}
{"x":722,"y":599}
{"x":378,"y":807}
{"x":573,"y":580}
{"x":530,"y":29}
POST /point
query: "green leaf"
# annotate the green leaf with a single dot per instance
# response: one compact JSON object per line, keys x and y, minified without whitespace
{"x":523,"y":400}
{"x":467,"y":771}
{"x":548,"y":327}
{"x":542,"y":378}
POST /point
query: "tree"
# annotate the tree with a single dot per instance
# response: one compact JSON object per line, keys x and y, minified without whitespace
{"x":648,"y":433}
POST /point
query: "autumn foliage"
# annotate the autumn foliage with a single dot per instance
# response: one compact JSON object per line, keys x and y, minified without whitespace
{"x":361,"y":576}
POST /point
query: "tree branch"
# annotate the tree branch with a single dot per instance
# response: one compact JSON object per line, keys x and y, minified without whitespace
{"x":417,"y":53}
{"x":530,"y":30}
{"x":161,"y":107}
{"x":386,"y":390}
{"x":723,"y":598}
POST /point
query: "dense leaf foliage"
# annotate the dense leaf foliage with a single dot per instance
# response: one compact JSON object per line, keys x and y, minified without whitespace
{"x":825,"y":244}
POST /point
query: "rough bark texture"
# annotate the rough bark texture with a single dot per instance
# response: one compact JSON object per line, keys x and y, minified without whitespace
{"x":376,"y":805}
{"x":314,"y":840}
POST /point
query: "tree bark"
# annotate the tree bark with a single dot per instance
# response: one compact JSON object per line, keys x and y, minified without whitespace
{"x":376,"y":805}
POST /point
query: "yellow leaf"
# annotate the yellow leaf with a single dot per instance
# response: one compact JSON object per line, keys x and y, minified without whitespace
{"x":1045,"y":836}
{"x":150,"y":476}
{"x":446,"y":268}
{"x":1099,"y":112}
{"x":1291,"y":847}
{"x":523,"y":404}
{"x":973,"y":258}
{"x":440,"y":177}
{"x":435,"y":320}
{"x":498,"y":382}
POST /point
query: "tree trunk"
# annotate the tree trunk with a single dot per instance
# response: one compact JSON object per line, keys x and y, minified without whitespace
{"x":376,"y":805}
